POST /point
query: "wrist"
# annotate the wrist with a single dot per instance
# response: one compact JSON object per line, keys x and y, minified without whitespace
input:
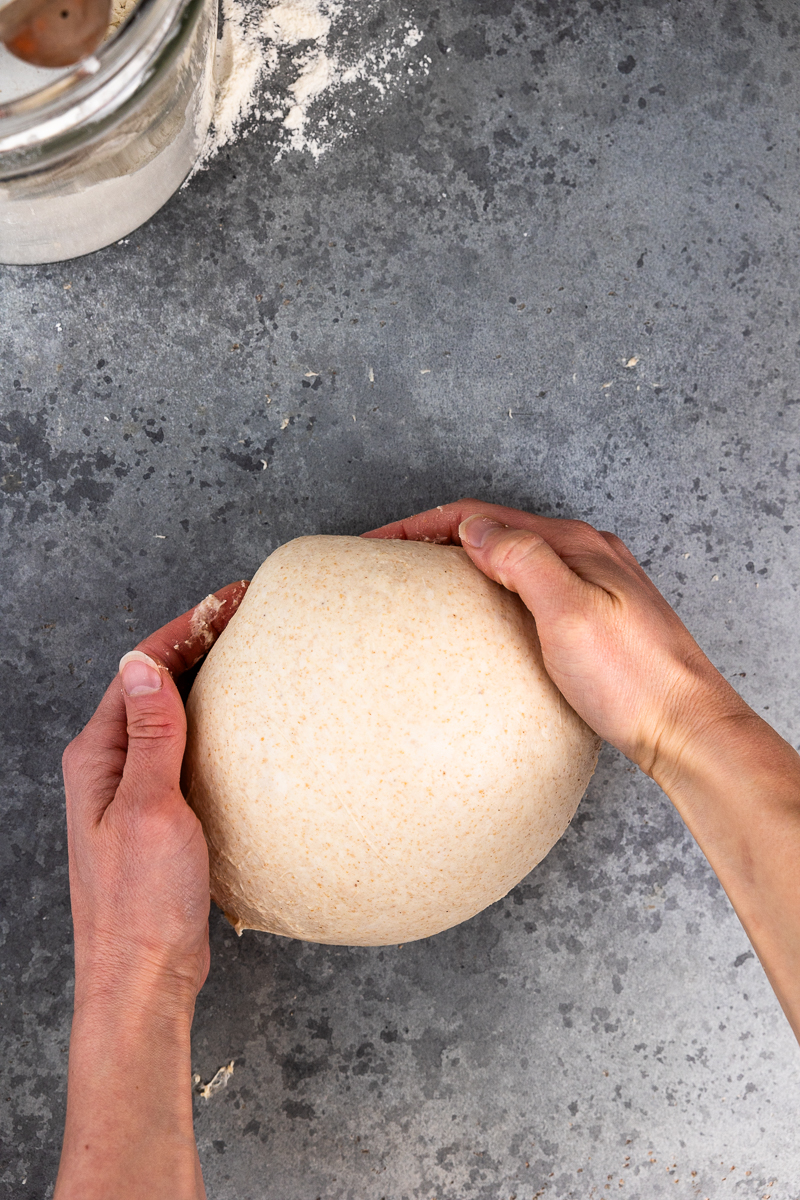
{"x":131,"y":985}
{"x":701,"y":713}
{"x":124,"y":968}
{"x":719,"y":740}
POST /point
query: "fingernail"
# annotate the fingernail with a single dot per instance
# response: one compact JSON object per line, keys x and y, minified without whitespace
{"x":476,"y":529}
{"x":140,"y":674}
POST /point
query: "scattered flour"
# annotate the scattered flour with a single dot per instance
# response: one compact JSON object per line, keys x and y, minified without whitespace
{"x":318,"y":74}
{"x":257,"y":38}
{"x":240,"y":63}
{"x":303,"y":21}
{"x":273,"y":62}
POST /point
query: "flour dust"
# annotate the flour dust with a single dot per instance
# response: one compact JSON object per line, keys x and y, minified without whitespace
{"x":293,"y":64}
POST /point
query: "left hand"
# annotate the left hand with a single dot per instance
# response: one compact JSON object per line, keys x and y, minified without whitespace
{"x":138,"y":859}
{"x":138,"y":868}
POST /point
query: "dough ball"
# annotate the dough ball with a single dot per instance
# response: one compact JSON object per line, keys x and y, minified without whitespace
{"x":375,"y":750}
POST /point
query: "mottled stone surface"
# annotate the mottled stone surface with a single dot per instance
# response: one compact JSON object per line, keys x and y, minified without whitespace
{"x":571,"y":186}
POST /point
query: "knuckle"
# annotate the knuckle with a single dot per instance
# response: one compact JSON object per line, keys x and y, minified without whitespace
{"x":615,"y":542}
{"x":515,"y":552}
{"x":154,"y":727}
{"x":588,"y":532}
{"x":586,"y":542}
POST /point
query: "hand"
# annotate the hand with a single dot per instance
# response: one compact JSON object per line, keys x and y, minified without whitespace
{"x":138,"y":859}
{"x":631,"y":669}
{"x":610,"y":642}
{"x":140,"y":903}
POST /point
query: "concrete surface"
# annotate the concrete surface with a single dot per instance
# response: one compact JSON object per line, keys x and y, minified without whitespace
{"x":570,"y":186}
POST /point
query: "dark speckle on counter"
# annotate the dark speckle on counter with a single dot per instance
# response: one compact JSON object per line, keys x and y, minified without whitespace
{"x":559,"y":269}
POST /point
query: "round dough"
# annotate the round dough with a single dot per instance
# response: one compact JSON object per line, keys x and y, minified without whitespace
{"x":375,"y":749}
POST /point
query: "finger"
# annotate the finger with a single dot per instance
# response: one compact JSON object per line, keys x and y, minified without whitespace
{"x":570,"y":539}
{"x":94,"y":761}
{"x":524,"y":562}
{"x":181,"y":644}
{"x":177,"y":646}
{"x":441,"y":524}
{"x":156,"y":729}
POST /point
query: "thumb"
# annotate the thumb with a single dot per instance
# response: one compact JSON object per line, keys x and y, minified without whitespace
{"x":523,"y":562}
{"x":156,"y":727}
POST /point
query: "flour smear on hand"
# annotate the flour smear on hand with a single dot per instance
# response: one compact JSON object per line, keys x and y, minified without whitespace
{"x":286,"y":64}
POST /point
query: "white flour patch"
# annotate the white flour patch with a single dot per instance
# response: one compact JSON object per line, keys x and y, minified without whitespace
{"x":240,"y":63}
{"x":287,"y":64}
{"x":318,"y":73}
{"x":288,"y":23}
{"x":200,"y":627}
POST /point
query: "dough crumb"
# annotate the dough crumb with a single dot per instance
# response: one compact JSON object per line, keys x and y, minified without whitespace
{"x":216,"y":1084}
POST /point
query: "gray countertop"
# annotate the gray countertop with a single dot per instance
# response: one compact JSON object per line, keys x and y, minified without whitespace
{"x":564,"y":188}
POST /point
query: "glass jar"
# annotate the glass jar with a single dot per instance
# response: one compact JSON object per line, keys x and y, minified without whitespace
{"x":87,"y":158}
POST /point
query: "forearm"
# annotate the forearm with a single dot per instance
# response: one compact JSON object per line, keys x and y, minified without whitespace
{"x":737,"y":786}
{"x":129,"y":1130}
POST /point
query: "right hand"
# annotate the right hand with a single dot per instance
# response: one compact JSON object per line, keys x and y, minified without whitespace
{"x":610,"y":641}
{"x":631,"y":669}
